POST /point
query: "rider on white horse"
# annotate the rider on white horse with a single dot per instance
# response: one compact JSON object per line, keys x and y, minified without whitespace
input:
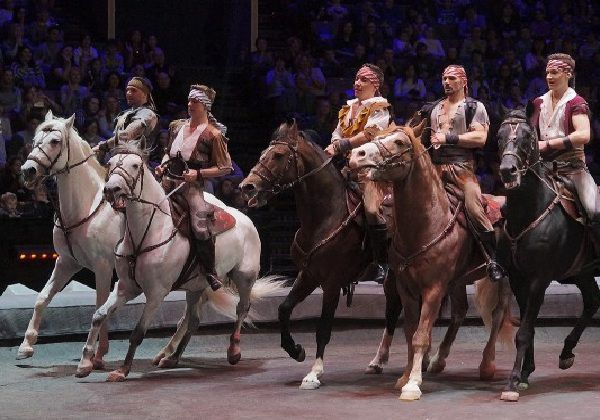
{"x":197,"y":150}
{"x":136,"y":123}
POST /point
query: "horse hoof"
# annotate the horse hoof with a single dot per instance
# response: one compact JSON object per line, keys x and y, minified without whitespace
{"x":116,"y":376}
{"x":487,"y":373}
{"x":566,"y":363}
{"x":410,"y":393}
{"x":401,"y":382}
{"x":233,"y":359}
{"x":310,"y":384}
{"x":25,"y":352}
{"x":98,"y":364}
{"x":301,"y":355}
{"x":523,"y":386}
{"x":436,"y":366}
{"x":166,"y":363}
{"x":158,"y":358}
{"x":510,"y":396}
{"x":83,"y":372}
{"x":374,"y":369}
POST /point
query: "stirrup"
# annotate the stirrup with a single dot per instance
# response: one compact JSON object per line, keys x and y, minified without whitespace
{"x":214,"y":282}
{"x":495,"y":271}
{"x":376,"y":272}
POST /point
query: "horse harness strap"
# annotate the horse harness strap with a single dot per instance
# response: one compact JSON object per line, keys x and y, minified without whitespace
{"x":306,"y":255}
{"x":407,"y":261}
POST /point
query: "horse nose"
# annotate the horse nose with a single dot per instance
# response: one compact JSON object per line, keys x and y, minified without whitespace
{"x":508,"y":170}
{"x":109,"y":192}
{"x":247,"y":190}
{"x":29,"y":173}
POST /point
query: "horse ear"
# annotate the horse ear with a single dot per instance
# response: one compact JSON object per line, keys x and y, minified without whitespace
{"x":503,"y":112}
{"x":290,"y":121}
{"x":69,"y":122}
{"x":49,"y":116}
{"x":529,"y":109}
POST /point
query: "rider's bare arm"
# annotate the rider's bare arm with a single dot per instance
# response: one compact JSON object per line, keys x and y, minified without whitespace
{"x":475,"y":138}
{"x":579,"y":137}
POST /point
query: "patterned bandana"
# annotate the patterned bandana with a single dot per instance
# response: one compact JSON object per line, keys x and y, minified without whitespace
{"x":201,"y":97}
{"x":558,"y":65}
{"x":370,"y":75}
{"x":458,"y":72}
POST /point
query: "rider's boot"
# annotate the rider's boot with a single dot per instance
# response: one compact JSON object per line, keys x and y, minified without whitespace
{"x":378,"y":269}
{"x":206,"y":253}
{"x":488,"y":241}
{"x":595,"y":234}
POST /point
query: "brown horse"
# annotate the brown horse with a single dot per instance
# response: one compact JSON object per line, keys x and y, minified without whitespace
{"x":432,"y":254}
{"x":327,"y":248}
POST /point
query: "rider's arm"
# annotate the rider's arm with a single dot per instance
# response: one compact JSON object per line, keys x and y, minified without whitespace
{"x":475,"y":138}
{"x":377,"y":121}
{"x":220,"y":156}
{"x":579,"y":137}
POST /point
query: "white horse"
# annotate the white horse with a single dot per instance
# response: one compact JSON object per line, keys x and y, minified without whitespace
{"x":87,"y":228}
{"x":153,"y":255}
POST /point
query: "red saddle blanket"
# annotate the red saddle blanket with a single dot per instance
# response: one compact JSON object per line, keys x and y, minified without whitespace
{"x":218,"y":222}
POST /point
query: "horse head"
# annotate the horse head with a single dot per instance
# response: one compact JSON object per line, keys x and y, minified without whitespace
{"x":517,"y":146}
{"x":388,"y":157}
{"x":125,"y":179}
{"x":279,"y":167}
{"x":51,"y":149}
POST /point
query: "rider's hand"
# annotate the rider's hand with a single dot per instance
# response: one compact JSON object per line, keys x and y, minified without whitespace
{"x":330,"y":150}
{"x":190,"y":175}
{"x":543,"y":145}
{"x":438,"y":138}
{"x":159,"y":170}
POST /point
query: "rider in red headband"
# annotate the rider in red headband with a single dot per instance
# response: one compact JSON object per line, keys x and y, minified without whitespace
{"x":359,"y":122}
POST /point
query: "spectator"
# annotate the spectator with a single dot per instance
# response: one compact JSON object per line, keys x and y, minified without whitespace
{"x":90,"y":132}
{"x":280,"y":88}
{"x":336,"y":11}
{"x":345,"y":40}
{"x":7,"y":12}
{"x":472,"y":43}
{"x":73,"y":94}
{"x":509,"y":22}
{"x":151,"y":45}
{"x":225,"y":192}
{"x":36,"y":102}
{"x":471,"y":20}
{"x":26,"y":71}
{"x":540,"y":26}
{"x":323,"y":122}
{"x":10,"y":95}
{"x":85,"y":53}
{"x":409,"y":85}
{"x":524,"y":43}
{"x":5,"y":135}
{"x":40,"y":206}
{"x":262,"y":58}
{"x":590,"y":46}
{"x":515,"y":99}
{"x":38,"y":29}
{"x":25,"y":137}
{"x":402,"y":44}
{"x":112,"y":60}
{"x":47,"y":52}
{"x":135,"y":48}
{"x":159,"y":65}
{"x":15,"y":41}
{"x":330,"y":65}
{"x":89,"y":110}
{"x":372,"y":40}
{"x":434,"y":45}
{"x":9,"y":205}
{"x":93,"y":76}
{"x":61,"y":69}
{"x":113,"y":88}
{"x":164,"y":92}
{"x":310,"y":83}
{"x":10,"y":177}
{"x":535,"y":60}
{"x":108,"y":116}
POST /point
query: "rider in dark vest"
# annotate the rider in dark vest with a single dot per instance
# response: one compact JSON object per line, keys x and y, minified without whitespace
{"x":136,"y":123}
{"x":197,"y":149}
{"x":359,"y":122}
{"x":562,"y":119}
{"x":459,"y":125}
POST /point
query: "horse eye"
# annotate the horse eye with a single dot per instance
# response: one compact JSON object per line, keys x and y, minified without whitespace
{"x":54,"y":141}
{"x":277,"y":155}
{"x":136,"y":166}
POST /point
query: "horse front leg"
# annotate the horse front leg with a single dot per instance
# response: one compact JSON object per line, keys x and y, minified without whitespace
{"x":459,"y":306}
{"x":153,"y":302}
{"x":167,"y":351}
{"x":119,"y":296}
{"x":421,"y":341}
{"x":393,"y":308}
{"x":524,"y":342}
{"x":303,"y":286}
{"x":103,"y":278}
{"x":331,"y":298}
{"x":500,"y":321}
{"x":591,"y":301}
{"x":64,"y":269}
{"x":412,"y":312}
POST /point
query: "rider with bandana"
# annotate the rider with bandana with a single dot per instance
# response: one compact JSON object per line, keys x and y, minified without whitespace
{"x":135,"y":123}
{"x":197,"y":146}
{"x":562,"y":119}
{"x":459,"y":125}
{"x":359,"y":122}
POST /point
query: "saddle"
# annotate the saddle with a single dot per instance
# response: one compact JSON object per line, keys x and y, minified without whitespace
{"x":354,"y":199}
{"x":492,"y":205}
{"x":569,"y":200}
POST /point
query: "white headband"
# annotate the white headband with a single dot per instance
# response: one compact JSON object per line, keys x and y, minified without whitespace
{"x":200,"y":96}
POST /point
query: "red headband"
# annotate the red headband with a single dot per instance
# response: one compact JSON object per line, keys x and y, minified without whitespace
{"x":370,"y":75}
{"x":559,"y":65}
{"x":458,"y":72}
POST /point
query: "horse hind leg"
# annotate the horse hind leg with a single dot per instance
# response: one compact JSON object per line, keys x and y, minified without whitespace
{"x":303,"y":286}
{"x":188,"y":324}
{"x":244,"y":283}
{"x":64,"y":269}
{"x":591,"y":302}
{"x":167,"y":351}
{"x":459,"y":307}
{"x":393,"y":308}
{"x":330,"y":302}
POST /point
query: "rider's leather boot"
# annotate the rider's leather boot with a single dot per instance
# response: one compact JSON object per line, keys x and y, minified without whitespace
{"x":494,"y":270}
{"x":377,"y":270}
{"x":206,"y":254}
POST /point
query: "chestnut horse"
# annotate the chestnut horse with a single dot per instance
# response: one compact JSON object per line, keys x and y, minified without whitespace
{"x":541,"y":243}
{"x":328,"y":246}
{"x":432,"y":254}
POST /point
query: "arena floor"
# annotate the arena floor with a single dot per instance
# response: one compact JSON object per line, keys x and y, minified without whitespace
{"x":265,"y":383}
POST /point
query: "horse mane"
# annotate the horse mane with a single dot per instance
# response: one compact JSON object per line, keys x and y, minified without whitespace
{"x":516,"y":113}
{"x":85,"y":146}
{"x":132,"y":147}
{"x":414,"y":140}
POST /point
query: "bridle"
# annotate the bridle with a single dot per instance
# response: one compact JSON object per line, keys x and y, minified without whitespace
{"x":52,"y":161}
{"x":514,"y":124}
{"x":132,"y":182}
{"x":274,"y":181}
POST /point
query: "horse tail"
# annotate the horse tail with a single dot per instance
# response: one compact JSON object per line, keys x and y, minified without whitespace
{"x":487,"y":297}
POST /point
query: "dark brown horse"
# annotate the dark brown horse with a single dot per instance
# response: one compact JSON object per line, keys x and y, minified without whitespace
{"x":328,"y":246}
{"x":433,"y":254}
